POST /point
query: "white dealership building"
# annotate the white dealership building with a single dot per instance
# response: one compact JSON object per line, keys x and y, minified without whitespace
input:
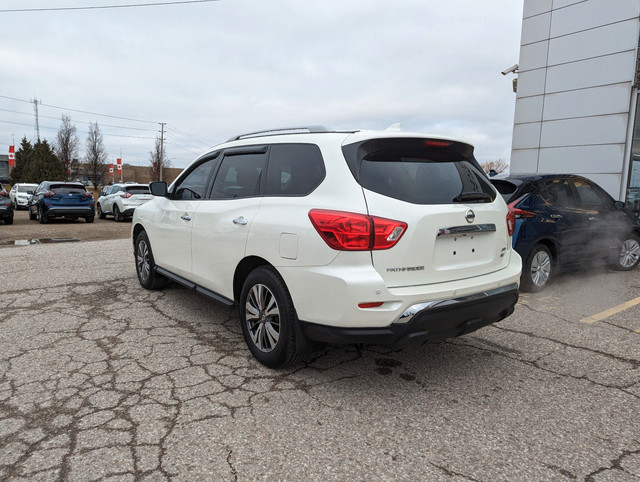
{"x":577,"y":92}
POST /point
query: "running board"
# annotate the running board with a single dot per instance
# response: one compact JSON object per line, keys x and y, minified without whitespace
{"x":197,"y":288}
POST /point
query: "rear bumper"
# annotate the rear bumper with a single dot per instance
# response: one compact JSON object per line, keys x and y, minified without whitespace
{"x":70,"y":211}
{"x":426,"y":321}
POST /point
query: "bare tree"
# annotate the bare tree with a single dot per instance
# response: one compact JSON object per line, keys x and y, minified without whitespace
{"x":158,"y":161}
{"x":66,"y":146}
{"x":496,"y":166}
{"x":96,"y":156}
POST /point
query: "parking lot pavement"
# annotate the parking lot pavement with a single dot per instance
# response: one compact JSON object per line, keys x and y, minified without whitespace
{"x":99,"y":377}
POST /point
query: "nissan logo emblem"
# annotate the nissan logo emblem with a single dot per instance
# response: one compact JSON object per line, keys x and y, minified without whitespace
{"x":470,"y":216}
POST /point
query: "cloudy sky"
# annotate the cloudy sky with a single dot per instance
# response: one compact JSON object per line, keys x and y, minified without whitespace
{"x":211,"y":70}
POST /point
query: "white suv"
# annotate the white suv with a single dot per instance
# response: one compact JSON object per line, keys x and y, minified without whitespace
{"x":20,"y":194}
{"x":121,"y":200}
{"x":342,"y":237}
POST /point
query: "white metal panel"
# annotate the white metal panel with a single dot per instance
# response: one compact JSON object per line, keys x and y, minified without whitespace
{"x":531,"y":82}
{"x":534,"y":56}
{"x":526,"y":136}
{"x":591,"y":14}
{"x":529,"y":109}
{"x":608,"y":129}
{"x":607,"y":99}
{"x":606,"y":158}
{"x":536,"y":7}
{"x":564,"y":3}
{"x":611,"y":69}
{"x":608,"y":182}
{"x":535,"y":29}
{"x":596,"y":42}
{"x":524,"y":161}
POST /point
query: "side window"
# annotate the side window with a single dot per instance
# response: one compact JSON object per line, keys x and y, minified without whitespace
{"x":194,"y":185}
{"x":239,"y":176}
{"x":557,"y":192}
{"x":590,"y":197}
{"x":294,"y":169}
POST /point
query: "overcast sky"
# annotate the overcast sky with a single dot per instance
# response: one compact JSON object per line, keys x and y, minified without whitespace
{"x":217,"y":69}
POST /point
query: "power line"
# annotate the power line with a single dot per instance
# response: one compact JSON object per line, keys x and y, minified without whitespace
{"x":103,"y":7}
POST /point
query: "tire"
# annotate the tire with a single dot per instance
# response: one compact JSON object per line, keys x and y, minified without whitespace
{"x":268,"y":318}
{"x":629,"y":256}
{"x":537,"y":270}
{"x":146,"y":266}
{"x":41,"y":217}
{"x":32,"y":217}
{"x":89,"y":219}
{"x":116,"y":214}
{"x":8,"y":220}
{"x":101,"y":215}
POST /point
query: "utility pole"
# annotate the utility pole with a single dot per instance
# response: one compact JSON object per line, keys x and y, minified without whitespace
{"x":37,"y":124}
{"x":161,"y":160}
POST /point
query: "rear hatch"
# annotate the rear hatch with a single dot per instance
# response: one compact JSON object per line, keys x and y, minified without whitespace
{"x":68,"y":195}
{"x":456,"y":222}
{"x":138,"y":194}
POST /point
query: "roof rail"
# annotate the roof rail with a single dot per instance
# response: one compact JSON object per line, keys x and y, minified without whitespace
{"x":284,"y":130}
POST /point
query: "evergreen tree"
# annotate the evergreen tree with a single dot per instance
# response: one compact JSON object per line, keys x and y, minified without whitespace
{"x":45,"y":165}
{"x":24,"y":156}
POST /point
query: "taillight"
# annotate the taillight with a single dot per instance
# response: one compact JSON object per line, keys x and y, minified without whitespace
{"x":4,"y":194}
{"x":125,"y":195}
{"x":434,"y":143}
{"x":88,"y":194}
{"x":519,"y":213}
{"x":345,"y":231}
{"x":511,"y":221}
{"x":49,"y":194}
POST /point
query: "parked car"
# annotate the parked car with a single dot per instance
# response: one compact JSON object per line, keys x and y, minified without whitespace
{"x":6,"y":208}
{"x":68,"y":200}
{"x":121,"y":200}
{"x":565,"y":221}
{"x":341,"y":237}
{"x":20,"y":194}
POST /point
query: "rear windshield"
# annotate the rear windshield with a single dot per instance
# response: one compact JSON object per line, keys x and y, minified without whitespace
{"x":67,"y":189}
{"x":137,"y":189}
{"x":419,"y":171}
{"x":505,"y":188}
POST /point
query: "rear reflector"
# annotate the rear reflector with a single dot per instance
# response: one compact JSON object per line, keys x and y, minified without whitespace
{"x":372,"y":304}
{"x":346,"y":231}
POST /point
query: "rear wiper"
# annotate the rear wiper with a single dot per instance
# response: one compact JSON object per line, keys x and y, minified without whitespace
{"x":472,"y":196}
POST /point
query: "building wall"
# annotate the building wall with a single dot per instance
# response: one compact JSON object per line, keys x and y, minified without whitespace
{"x":575,"y":100}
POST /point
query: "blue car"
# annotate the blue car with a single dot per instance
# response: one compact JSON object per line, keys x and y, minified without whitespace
{"x":565,"y":221}
{"x":68,"y":200}
{"x":6,"y":208}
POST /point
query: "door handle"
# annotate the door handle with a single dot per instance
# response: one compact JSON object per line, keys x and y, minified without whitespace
{"x":241,"y":220}
{"x":556,"y":216}
{"x":185,"y":217}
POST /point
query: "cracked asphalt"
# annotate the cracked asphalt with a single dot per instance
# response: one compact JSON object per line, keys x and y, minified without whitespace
{"x":102,"y":379}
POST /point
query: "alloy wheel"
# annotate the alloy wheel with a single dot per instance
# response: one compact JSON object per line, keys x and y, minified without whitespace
{"x":540,"y":268}
{"x":142,"y":260}
{"x":629,"y":253}
{"x":263,"y":318}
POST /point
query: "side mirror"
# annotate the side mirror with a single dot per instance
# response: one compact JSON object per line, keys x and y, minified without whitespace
{"x":158,"y":188}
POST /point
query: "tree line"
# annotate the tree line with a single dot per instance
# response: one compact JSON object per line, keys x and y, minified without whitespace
{"x":41,"y":160}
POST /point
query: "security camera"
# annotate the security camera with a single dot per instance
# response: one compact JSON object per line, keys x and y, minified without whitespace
{"x":510,"y":70}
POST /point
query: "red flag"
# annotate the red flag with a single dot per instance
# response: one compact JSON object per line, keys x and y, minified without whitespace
{"x":12,"y":156}
{"x":119,"y":161}
{"x":111,"y":170}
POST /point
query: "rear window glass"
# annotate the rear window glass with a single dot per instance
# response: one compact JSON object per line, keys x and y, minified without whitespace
{"x":294,"y":169}
{"x":413,"y":171}
{"x":67,"y":188}
{"x":138,"y":190}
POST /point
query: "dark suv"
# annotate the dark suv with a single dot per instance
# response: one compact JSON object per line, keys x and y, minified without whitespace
{"x":6,"y":208}
{"x":68,"y":200}
{"x":563,"y":221}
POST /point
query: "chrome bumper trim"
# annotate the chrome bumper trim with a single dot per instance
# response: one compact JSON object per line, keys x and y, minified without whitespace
{"x":413,"y":310}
